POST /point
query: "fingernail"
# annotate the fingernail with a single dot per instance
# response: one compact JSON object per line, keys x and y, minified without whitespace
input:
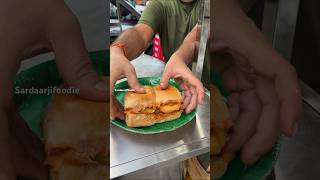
{"x":142,"y":90}
{"x":101,"y":86}
{"x":295,"y":129}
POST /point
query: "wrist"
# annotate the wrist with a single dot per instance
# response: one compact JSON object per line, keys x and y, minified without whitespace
{"x":119,"y":48}
{"x":116,"y":53}
{"x":176,"y":58}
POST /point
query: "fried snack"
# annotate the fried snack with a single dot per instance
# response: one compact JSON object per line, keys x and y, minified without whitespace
{"x":75,"y":138}
{"x":219,"y":164}
{"x":154,"y":106}
{"x":221,"y":124}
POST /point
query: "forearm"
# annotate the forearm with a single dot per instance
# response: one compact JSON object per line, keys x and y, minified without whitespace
{"x":189,"y":48}
{"x":135,"y":41}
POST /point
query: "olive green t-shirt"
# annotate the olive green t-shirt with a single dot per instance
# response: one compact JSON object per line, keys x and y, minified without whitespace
{"x":173,"y":20}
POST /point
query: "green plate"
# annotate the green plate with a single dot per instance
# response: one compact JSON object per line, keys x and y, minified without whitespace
{"x":236,"y":169}
{"x":32,"y":107}
{"x":157,"y":128}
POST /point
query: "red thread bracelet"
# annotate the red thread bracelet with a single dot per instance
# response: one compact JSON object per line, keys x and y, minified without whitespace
{"x":121,"y":46}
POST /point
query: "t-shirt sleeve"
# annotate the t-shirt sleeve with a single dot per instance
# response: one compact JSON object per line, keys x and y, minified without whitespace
{"x":153,"y":15}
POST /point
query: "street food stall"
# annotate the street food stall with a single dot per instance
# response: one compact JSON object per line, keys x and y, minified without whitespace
{"x":130,"y":152}
{"x":134,"y":154}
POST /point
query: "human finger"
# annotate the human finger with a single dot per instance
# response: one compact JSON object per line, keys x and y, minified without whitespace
{"x":166,"y":75}
{"x":234,"y":105}
{"x":116,"y":110}
{"x":267,"y":129}
{"x":193,"y":102}
{"x":188,"y":76}
{"x":133,"y":80}
{"x":186,"y":95}
{"x":72,"y":57}
{"x":245,"y":125}
{"x":270,"y":64}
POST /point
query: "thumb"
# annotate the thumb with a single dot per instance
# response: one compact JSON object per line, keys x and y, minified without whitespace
{"x":72,"y":58}
{"x":133,"y":80}
{"x":165,"y":79}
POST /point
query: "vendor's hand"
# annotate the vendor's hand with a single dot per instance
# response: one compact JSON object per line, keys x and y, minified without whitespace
{"x":255,"y":108}
{"x":192,"y":87}
{"x":265,"y":96}
{"x":29,"y":28}
{"x":120,"y":67}
{"x":49,"y":26}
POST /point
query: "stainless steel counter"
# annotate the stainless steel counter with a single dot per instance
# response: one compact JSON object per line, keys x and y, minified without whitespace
{"x":131,"y":152}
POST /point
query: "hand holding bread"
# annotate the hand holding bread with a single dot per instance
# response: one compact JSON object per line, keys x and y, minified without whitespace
{"x":193,"y":91}
{"x":121,"y":68}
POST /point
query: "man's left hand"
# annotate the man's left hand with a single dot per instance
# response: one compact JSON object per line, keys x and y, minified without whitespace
{"x":192,"y":87}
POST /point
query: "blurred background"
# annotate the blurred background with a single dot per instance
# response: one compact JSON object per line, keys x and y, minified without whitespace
{"x":292,"y":26}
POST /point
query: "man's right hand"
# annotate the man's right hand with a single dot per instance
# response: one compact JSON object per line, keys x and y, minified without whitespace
{"x":121,"y":68}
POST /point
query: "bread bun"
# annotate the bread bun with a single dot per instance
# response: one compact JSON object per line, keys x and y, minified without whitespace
{"x":75,"y":137}
{"x":221,"y":124}
{"x":155,"y":106}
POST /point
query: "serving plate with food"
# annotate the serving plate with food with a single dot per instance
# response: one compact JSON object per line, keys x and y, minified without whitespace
{"x":155,"y":111}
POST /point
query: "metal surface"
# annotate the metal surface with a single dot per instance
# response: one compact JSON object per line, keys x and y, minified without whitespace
{"x":285,"y":27}
{"x":310,"y":97}
{"x":204,"y":22}
{"x":131,"y":152}
{"x":283,"y":42}
{"x":299,"y":156}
